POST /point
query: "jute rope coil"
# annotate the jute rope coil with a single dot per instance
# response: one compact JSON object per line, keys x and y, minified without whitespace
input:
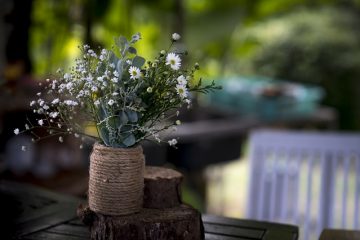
{"x":116,"y":180}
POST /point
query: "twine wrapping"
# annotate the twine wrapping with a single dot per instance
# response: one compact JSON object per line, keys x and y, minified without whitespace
{"x":116,"y":180}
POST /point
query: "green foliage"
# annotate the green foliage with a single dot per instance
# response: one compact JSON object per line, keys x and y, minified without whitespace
{"x":318,"y":46}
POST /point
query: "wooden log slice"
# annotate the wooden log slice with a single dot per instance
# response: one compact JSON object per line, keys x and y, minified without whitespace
{"x":178,"y":223}
{"x":161,"y":188}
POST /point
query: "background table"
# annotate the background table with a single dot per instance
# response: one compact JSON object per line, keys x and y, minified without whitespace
{"x":28,"y":212}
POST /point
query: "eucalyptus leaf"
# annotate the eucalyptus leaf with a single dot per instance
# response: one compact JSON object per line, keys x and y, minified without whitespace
{"x":121,"y":42}
{"x":104,"y":135}
{"x":102,"y":112}
{"x":123,"y":118}
{"x":119,"y":67}
{"x":114,"y":122}
{"x":132,"y":50}
{"x":132,"y":116}
{"x":138,"y":61}
{"x":129,"y":140}
{"x":113,"y":58}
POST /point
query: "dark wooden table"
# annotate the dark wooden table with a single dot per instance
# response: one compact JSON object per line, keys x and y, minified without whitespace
{"x":29,"y":212}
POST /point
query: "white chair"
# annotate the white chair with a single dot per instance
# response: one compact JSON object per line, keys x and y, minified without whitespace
{"x":310,"y":179}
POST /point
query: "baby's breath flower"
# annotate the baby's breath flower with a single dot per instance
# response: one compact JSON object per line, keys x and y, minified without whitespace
{"x":16,"y":131}
{"x":54,"y":114}
{"x":177,"y":122}
{"x":27,"y":127}
{"x":149,"y":89}
{"x":134,"y":72}
{"x":175,"y":36}
{"x":41,"y":122}
{"x":114,"y":80}
{"x":173,"y":60}
{"x":61,"y":139}
{"x":181,"y":80}
{"x":23,"y":148}
{"x":97,"y":102}
{"x":32,"y":103}
{"x":55,"y":101}
{"x":172,"y":142}
{"x":111,"y":102}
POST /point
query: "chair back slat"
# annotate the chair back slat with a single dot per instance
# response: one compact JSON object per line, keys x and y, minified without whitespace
{"x":306,"y":178}
{"x":346,"y":159}
{"x":357,"y":194}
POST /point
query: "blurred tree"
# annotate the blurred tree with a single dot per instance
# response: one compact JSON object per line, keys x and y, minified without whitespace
{"x":319,"y":46}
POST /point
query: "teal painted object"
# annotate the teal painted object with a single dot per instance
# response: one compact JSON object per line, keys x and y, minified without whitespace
{"x":266,"y":98}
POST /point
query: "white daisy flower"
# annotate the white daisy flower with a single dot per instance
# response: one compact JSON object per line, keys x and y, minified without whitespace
{"x":173,"y":60}
{"x":172,"y":142}
{"x":182,"y":91}
{"x":16,"y":131}
{"x":176,"y":36}
{"x":111,"y":102}
{"x":41,"y":122}
{"x":134,"y":72}
{"x":181,"y":80}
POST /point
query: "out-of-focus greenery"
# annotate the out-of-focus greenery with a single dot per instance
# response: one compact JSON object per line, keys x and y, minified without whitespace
{"x":297,"y":40}
{"x":320,"y":46}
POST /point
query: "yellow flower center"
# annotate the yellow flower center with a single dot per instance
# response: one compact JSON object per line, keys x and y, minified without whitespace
{"x":172,"y":62}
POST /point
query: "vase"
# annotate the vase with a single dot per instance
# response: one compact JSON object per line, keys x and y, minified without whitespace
{"x":116,"y":180}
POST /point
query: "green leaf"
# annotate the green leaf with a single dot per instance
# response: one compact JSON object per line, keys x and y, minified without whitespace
{"x":114,"y":122}
{"x":132,"y":50}
{"x":104,"y":135}
{"x":119,"y":67}
{"x":129,"y":140}
{"x":121,"y":42}
{"x":138,"y":61}
{"x":132,"y":116}
{"x":113,"y":58}
{"x":123,"y":118}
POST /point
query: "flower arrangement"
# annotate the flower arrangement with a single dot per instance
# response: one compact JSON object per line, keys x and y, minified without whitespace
{"x":124,"y":97}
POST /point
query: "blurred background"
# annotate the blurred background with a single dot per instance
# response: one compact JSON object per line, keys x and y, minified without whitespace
{"x":291,"y":64}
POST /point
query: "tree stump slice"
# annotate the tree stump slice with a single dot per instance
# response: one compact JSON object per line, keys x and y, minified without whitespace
{"x":161,"y":188}
{"x":178,"y":223}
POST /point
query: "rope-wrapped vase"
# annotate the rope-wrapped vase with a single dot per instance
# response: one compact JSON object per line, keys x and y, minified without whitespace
{"x":116,"y":180}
